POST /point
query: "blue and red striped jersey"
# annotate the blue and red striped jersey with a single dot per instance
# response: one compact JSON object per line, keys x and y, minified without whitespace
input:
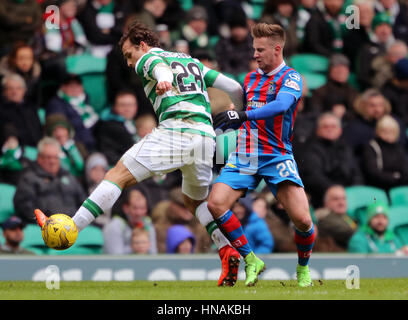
{"x":272,"y":136}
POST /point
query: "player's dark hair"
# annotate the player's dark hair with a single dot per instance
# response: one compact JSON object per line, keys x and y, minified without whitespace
{"x":138,"y":32}
{"x":266,"y":30}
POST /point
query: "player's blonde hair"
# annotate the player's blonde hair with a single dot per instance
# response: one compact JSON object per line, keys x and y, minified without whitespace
{"x":272,"y":31}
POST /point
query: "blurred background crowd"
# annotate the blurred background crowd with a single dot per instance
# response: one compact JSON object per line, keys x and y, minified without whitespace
{"x":70,"y":107}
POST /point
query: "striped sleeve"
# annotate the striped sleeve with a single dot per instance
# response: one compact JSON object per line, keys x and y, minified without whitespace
{"x":209,"y":76}
{"x":146,"y":64}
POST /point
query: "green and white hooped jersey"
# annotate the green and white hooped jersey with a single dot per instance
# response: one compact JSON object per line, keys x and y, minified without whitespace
{"x":186,"y":107}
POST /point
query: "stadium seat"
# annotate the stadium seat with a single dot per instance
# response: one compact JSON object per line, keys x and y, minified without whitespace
{"x":30,"y":153}
{"x":399,"y":196}
{"x":360,"y":197}
{"x":309,"y":63}
{"x":7,"y":192}
{"x":92,"y":72}
{"x":33,"y":240}
{"x":314,"y":80}
{"x":90,"y":241}
{"x":399,"y":222}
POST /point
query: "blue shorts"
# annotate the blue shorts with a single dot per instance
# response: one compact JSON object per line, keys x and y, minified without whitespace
{"x":273,"y":170}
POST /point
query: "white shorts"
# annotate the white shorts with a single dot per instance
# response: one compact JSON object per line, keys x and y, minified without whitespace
{"x":164,"y":151}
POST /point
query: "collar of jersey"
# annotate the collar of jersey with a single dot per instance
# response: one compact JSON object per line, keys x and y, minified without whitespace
{"x":275,"y":71}
{"x":150,"y":50}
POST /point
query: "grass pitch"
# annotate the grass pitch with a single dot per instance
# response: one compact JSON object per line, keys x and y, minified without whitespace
{"x":370,"y":289}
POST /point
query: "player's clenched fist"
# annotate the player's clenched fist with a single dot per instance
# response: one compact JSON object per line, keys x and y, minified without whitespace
{"x":229,"y":119}
{"x":162,"y":87}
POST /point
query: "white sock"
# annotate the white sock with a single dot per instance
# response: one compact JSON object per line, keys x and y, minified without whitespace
{"x":101,"y":200}
{"x":206,"y":219}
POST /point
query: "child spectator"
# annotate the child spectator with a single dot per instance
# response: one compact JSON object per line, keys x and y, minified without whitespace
{"x":96,"y":166}
{"x":180,"y":240}
{"x":255,"y":228}
{"x":132,"y":213}
{"x":140,"y":241}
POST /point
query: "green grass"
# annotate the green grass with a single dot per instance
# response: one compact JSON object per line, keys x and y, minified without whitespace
{"x":205,"y":290}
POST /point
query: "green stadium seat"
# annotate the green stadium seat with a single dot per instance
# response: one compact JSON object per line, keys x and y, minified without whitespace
{"x":7,"y":192}
{"x":399,"y":222}
{"x":33,"y":240}
{"x":75,"y":250}
{"x":309,"y":63}
{"x":92,"y":72}
{"x":30,"y":153}
{"x":399,"y":196}
{"x":360,"y":197}
{"x":314,"y":80}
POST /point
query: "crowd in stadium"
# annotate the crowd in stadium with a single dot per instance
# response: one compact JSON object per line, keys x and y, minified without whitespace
{"x":70,"y":107}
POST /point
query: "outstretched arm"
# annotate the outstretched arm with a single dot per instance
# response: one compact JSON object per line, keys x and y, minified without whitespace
{"x":233,"y":119}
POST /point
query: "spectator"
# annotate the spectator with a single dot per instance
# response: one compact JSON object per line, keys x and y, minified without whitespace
{"x":380,"y":40}
{"x":324,"y":31}
{"x":73,"y":153}
{"x":335,"y":226}
{"x":46,"y":185}
{"x":328,"y":160}
{"x":396,"y":90}
{"x":282,"y":229}
{"x":69,"y":38}
{"x":164,"y":35}
{"x":14,"y":157}
{"x":19,"y":22}
{"x":337,"y":95}
{"x":140,"y":241}
{"x":260,"y":207}
{"x":71,"y":101}
{"x":145,"y":124}
{"x":235,"y":52}
{"x":18,"y":113}
{"x":385,"y":160}
{"x":400,"y":24}
{"x":357,"y":38}
{"x":102,"y":21}
{"x":118,"y":232}
{"x":389,"y":7}
{"x":173,"y":211}
{"x":369,"y":107}
{"x":120,"y":77}
{"x":255,"y":228}
{"x":96,"y":166}
{"x":21,"y":61}
{"x":194,"y":31}
{"x":13,"y":234}
{"x":305,"y":12}
{"x":151,"y":11}
{"x":375,"y":236}
{"x":383,"y":66}
{"x":180,"y":240}
{"x":116,"y":131}
{"x":284,"y":13}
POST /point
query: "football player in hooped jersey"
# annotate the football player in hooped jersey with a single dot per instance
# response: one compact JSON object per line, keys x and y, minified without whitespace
{"x":176,"y":85}
{"x":264,"y":151}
